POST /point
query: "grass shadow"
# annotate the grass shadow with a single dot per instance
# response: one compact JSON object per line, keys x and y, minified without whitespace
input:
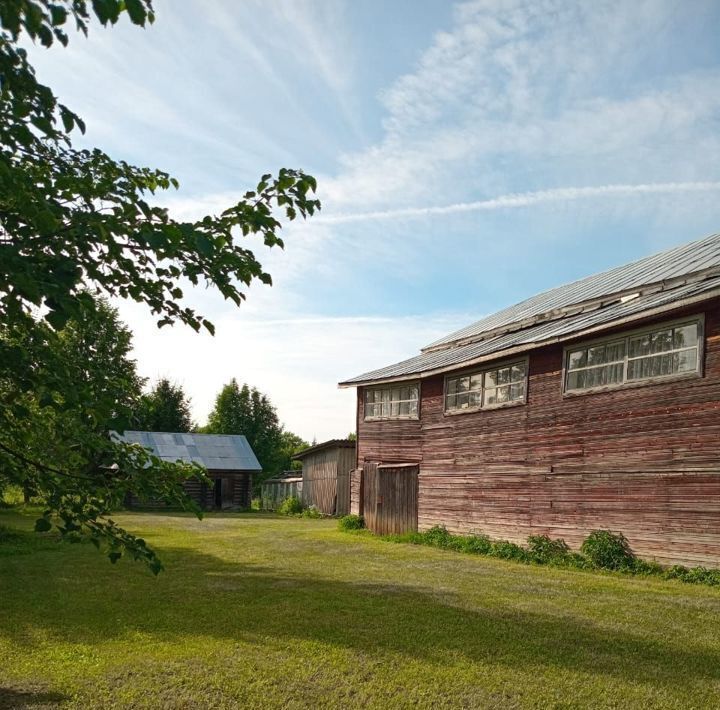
{"x":203,"y":594}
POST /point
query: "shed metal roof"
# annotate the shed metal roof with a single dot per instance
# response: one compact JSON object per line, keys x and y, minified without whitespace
{"x":691,"y":274}
{"x":217,"y":452}
{"x":675,"y":263}
{"x":330,"y":444}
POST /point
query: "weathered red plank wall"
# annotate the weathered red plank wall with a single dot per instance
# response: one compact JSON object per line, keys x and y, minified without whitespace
{"x":644,"y":461}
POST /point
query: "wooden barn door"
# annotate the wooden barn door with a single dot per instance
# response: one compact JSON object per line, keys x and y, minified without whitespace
{"x":390,"y":498}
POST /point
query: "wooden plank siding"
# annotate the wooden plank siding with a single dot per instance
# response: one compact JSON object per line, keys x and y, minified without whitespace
{"x":326,"y":479}
{"x":356,"y":492}
{"x":644,"y":461}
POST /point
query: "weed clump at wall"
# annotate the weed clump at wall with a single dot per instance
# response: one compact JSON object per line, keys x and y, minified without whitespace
{"x":601,"y":550}
{"x":351,"y":522}
{"x":291,"y":506}
{"x":608,"y":550}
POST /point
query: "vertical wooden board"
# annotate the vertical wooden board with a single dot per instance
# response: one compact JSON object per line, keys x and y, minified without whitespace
{"x":369,"y":495}
{"x":397,"y":488}
{"x":356,"y":485}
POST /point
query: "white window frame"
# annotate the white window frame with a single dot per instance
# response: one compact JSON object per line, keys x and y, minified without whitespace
{"x":390,"y":386}
{"x":697,"y":320}
{"x":488,"y":367}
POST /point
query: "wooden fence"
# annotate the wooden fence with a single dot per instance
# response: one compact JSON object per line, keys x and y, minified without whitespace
{"x":275,"y":490}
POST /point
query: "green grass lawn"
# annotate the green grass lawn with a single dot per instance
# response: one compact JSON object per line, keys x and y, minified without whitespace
{"x":257,"y":610}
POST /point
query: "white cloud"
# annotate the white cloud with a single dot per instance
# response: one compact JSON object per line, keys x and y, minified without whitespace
{"x":296,"y":361}
{"x":528,"y":199}
{"x":540,"y":104}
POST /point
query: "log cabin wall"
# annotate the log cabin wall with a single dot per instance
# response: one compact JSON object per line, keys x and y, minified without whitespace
{"x":238,"y":491}
{"x":644,"y":461}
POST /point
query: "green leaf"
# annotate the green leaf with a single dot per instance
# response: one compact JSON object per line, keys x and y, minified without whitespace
{"x":136,"y":10}
{"x":204,"y":245}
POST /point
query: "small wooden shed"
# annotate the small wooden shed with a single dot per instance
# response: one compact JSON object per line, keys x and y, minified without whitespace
{"x":326,"y":471}
{"x":275,"y":490}
{"x":228,"y":458}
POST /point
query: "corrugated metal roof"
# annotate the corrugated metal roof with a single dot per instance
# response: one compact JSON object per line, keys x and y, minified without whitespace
{"x":562,"y":328}
{"x":330,"y":444}
{"x":217,"y":452}
{"x":675,"y":263}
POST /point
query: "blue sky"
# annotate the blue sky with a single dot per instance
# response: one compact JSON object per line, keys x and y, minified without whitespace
{"x":468,"y":155}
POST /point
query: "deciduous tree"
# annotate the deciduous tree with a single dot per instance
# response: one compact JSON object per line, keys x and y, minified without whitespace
{"x":75,"y":223}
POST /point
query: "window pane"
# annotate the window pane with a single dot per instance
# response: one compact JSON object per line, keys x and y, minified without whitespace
{"x":596,"y":355}
{"x":577,"y":359}
{"x":615,"y":372}
{"x":452,"y":386}
{"x":490,"y":396}
{"x":517,"y":391}
{"x":413,"y":392}
{"x":503,"y":394}
{"x":475,"y":398}
{"x":661,"y":341}
{"x":463,"y":384}
{"x":404,"y":409}
{"x":451,"y":401}
{"x":518,"y":372}
{"x":576,"y":380}
{"x":491,"y":378}
{"x":639,"y":346}
{"x":395,"y":409}
{"x":596,"y":377}
{"x":503,"y":375}
{"x":686,"y":361}
{"x":685,"y":336}
{"x":615,"y":351}
{"x":476,"y":382}
{"x":463,"y":400}
{"x":414,"y":408}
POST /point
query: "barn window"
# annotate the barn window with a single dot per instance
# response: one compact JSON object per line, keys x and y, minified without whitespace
{"x":487,"y":388}
{"x":399,"y":402}
{"x":663,"y":351}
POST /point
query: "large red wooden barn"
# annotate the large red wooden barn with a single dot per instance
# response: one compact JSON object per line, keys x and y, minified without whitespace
{"x":595,"y":405}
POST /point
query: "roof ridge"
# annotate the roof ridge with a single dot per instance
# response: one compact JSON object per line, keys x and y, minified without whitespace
{"x":470,"y":334}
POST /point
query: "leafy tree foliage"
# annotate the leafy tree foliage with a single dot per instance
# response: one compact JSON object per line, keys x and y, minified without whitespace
{"x":76,"y":223}
{"x":290,"y":444}
{"x":245,"y":410}
{"x":165,"y":408}
{"x":64,"y":454}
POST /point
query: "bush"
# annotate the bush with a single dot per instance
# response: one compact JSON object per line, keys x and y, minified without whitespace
{"x":291,"y":506}
{"x":696,"y":575}
{"x":608,"y":550}
{"x":544,"y":550}
{"x":510,"y":551}
{"x":472,"y":544}
{"x":351,"y":522}
{"x":11,"y":496}
{"x":437,"y":536}
{"x":312,"y":512}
